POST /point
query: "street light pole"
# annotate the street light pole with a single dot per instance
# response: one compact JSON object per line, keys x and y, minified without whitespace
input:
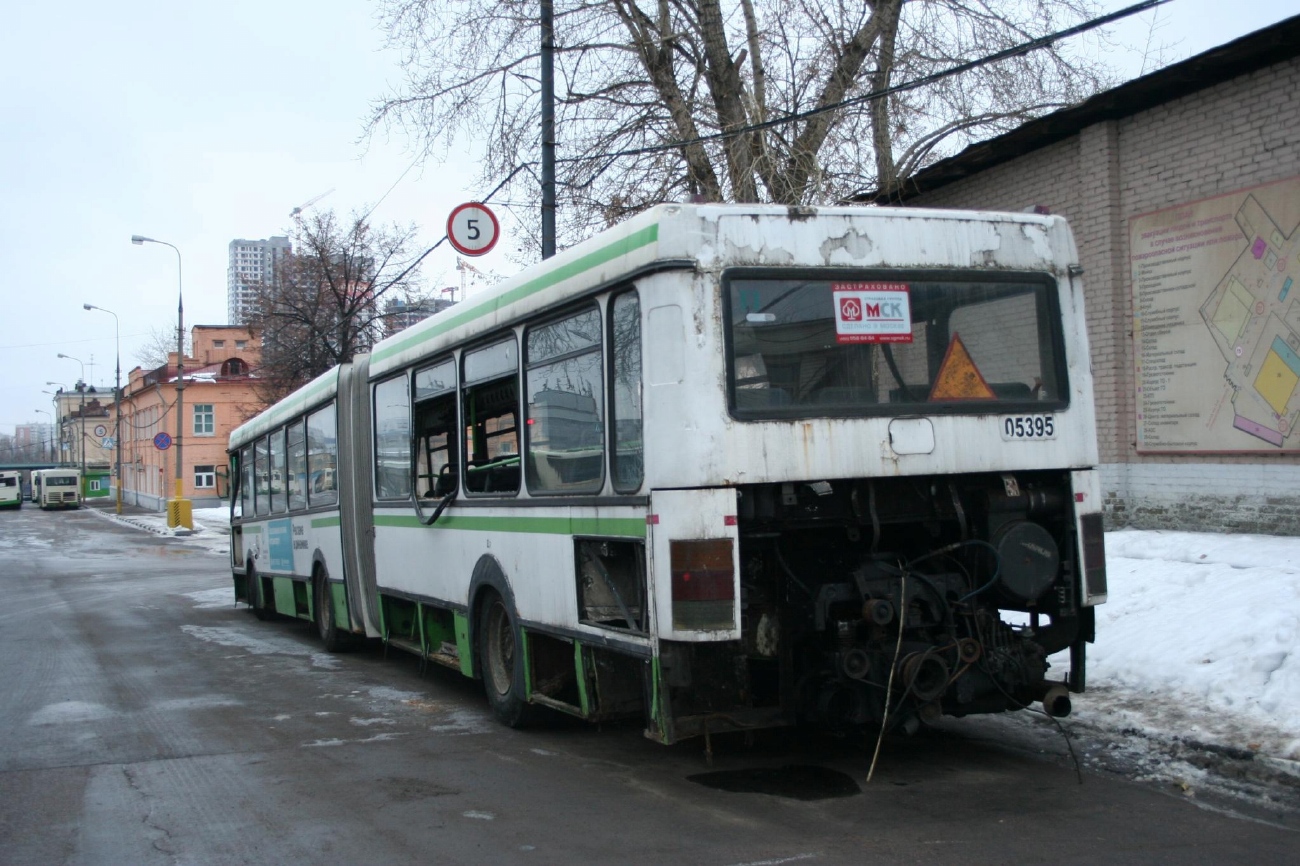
{"x":81,"y":386}
{"x":117,"y":399}
{"x":180,"y":515}
{"x":47,"y":412}
{"x":56,"y":418}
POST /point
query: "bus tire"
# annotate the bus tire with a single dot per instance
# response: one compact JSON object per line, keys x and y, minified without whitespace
{"x":253,"y":589}
{"x":500,"y":642}
{"x":331,"y":636}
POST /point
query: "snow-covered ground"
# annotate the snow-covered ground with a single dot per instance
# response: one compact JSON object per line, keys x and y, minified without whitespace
{"x":1197,"y":644}
{"x":1199,"y":640}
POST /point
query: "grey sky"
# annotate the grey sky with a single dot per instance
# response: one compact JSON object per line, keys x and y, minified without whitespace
{"x":201,"y":123}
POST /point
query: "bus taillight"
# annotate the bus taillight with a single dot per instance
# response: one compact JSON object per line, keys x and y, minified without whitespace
{"x":703,"y":584}
{"x":1094,"y":556}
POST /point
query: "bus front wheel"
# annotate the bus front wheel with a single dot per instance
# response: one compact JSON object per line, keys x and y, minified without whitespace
{"x":253,"y":589}
{"x":500,"y":643}
{"x":331,"y":636}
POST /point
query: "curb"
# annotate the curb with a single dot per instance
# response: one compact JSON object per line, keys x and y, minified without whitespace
{"x":150,"y":526}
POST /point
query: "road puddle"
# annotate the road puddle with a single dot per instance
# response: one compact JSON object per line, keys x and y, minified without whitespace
{"x":793,"y":781}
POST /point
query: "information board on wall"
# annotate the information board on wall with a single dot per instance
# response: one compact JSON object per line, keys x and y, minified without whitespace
{"x":1216,"y":323}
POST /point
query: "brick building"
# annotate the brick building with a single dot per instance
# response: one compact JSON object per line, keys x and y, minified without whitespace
{"x":1183,"y":190}
{"x":220,"y":382}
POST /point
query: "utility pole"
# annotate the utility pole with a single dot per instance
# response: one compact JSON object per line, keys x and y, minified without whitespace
{"x":548,"y":128}
{"x":179,"y":513}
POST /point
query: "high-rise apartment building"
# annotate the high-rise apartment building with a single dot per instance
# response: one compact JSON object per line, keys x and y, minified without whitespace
{"x":252,"y":265}
{"x":399,"y":313}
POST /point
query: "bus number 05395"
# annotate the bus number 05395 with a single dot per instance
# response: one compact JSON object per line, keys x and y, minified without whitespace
{"x":1016,"y":427}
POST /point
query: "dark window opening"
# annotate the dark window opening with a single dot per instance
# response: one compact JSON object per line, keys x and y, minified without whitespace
{"x":491,"y":419}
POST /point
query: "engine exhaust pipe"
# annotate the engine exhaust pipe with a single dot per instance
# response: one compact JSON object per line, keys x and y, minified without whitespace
{"x":1056,"y":701}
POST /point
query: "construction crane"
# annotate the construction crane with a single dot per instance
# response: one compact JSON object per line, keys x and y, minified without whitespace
{"x":302,"y":207}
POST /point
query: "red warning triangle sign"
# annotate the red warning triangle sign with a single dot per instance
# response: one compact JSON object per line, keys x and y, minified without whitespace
{"x":959,"y":378}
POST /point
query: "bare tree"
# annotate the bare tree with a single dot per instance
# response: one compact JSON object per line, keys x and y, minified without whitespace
{"x":325,"y":304}
{"x":159,"y":346}
{"x":756,"y":100}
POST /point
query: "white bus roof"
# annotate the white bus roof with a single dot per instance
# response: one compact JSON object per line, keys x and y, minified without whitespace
{"x":714,"y":235}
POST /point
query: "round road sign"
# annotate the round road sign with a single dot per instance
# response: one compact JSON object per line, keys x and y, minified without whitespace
{"x":472,"y":229}
{"x":162,"y":441}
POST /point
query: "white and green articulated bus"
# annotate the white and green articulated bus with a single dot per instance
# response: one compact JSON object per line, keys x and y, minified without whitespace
{"x":720,"y":467}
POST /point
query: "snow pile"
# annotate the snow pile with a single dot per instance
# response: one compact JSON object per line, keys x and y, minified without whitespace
{"x":1198,"y":640}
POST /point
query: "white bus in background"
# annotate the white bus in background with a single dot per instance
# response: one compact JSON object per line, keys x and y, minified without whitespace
{"x":11,"y":489}
{"x":56,"y":488}
{"x":719,"y":467}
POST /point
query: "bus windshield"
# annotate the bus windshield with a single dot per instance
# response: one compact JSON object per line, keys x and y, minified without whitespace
{"x":61,"y":481}
{"x":892,"y":344}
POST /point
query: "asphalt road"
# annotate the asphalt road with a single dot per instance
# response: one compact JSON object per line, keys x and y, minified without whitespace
{"x":147,"y":720}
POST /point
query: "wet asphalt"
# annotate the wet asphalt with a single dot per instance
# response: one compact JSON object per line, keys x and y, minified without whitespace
{"x":148,"y":720}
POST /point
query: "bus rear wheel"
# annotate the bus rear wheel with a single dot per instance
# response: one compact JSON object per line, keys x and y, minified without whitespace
{"x":500,"y":644}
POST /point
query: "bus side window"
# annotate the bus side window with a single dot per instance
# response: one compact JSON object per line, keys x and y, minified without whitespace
{"x":322,"y":455}
{"x":296,"y":480}
{"x":565,"y":405}
{"x":435,"y":437}
{"x":246,"y":481}
{"x":393,"y":439}
{"x":491,"y":412}
{"x":279,"y":497}
{"x":627,"y":463}
{"x":262,"y":475}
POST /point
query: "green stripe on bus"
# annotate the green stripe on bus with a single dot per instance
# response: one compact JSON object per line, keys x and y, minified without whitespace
{"x":615,"y":526}
{"x":322,"y":522}
{"x":621,"y":247}
{"x":277,"y":413}
{"x":253,"y":530}
{"x":463,"y":649}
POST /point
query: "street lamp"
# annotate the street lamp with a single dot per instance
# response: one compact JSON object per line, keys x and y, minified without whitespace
{"x":179,"y":514}
{"x":117,"y":399}
{"x":57,"y":416}
{"x":47,"y":412}
{"x":81,"y":386}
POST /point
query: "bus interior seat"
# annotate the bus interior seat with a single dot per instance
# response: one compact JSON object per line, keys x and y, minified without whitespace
{"x":493,"y":476}
{"x":504,"y":478}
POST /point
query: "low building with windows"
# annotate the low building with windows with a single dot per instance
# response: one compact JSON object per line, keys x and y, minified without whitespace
{"x":83,"y":439}
{"x":220,"y":394}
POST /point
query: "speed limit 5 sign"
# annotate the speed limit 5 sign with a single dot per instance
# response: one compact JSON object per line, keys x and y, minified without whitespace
{"x":472,"y":229}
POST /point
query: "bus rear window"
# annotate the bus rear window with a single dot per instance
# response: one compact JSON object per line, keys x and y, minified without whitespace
{"x":893,"y":343}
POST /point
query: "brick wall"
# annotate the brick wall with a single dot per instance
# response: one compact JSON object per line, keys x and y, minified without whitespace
{"x":1237,"y":134}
